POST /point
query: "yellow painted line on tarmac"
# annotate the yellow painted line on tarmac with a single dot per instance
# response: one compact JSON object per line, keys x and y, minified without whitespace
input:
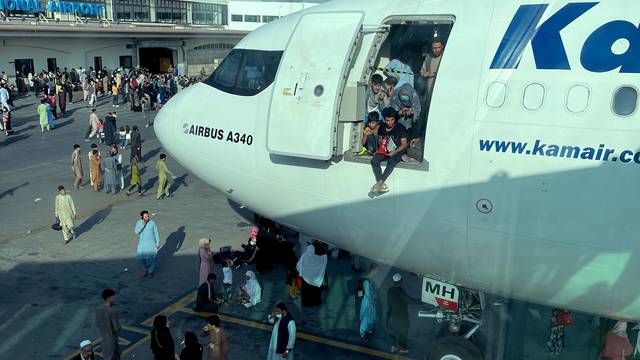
{"x":173,"y":308}
{"x":302,"y":335}
{"x":136,"y":345}
{"x":181,"y":306}
{"x":121,"y":341}
{"x":136,"y":330}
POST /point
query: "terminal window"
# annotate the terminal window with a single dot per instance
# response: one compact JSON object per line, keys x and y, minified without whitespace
{"x":209,"y":14}
{"x":268,"y":18}
{"x":252,"y":18}
{"x":132,"y":10}
{"x":235,"y":17}
{"x":172,"y":11}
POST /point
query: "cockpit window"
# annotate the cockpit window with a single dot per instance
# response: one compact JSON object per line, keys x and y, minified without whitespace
{"x":246,"y":72}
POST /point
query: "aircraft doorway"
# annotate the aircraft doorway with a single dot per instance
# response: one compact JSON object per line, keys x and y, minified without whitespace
{"x":156,"y":59}
{"x":404,"y":64}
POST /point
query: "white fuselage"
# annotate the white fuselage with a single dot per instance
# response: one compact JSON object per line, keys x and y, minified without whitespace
{"x":537,"y":226}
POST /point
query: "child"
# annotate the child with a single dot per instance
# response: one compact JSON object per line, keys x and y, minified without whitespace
{"x":227,"y":272}
{"x":101,"y":131}
{"x":369,"y":140}
{"x":6,"y":121}
{"x":121,"y":137}
{"x":127,"y":136}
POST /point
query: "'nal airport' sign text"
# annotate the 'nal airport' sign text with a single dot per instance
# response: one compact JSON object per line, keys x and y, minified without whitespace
{"x":65,"y":7}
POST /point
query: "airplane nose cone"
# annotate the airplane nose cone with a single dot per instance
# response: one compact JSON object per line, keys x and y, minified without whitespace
{"x":164,"y":124}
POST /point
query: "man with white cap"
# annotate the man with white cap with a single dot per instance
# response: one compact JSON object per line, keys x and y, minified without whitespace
{"x":398,"y":315}
{"x":86,"y":351}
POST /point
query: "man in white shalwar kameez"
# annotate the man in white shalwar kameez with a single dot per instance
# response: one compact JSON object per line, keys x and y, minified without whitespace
{"x":283,"y":335}
{"x":65,"y":211}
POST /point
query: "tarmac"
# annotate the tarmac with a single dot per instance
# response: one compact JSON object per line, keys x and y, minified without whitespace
{"x":50,"y":290}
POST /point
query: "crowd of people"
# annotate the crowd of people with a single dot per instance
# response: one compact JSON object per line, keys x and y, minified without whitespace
{"x":392,"y":129}
{"x":141,"y":90}
{"x":267,"y":245}
{"x":308,"y":277}
{"x":397,"y":107}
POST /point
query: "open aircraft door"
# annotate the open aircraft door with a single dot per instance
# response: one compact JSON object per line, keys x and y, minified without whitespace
{"x":304,"y":107}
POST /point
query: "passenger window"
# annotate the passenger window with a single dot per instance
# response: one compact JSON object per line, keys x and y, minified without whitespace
{"x":625,"y":101}
{"x":246,"y":72}
{"x":404,"y":63}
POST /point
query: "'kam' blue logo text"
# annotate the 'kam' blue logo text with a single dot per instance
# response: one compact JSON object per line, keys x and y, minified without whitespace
{"x":548,"y":49}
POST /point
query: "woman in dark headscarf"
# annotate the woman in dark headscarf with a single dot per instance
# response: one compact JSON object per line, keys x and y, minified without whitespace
{"x":192,"y":348}
{"x":161,"y":340}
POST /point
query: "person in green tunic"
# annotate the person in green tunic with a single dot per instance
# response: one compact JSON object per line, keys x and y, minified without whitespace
{"x":44,"y":116}
{"x":163,"y":182}
{"x":65,"y":211}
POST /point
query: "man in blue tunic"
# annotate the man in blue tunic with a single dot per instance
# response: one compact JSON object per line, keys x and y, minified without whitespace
{"x":148,"y":243}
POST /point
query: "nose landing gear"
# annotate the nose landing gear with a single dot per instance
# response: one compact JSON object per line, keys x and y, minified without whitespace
{"x":461,"y":339}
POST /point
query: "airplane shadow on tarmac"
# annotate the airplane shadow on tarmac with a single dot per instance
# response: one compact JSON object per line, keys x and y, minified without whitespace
{"x":55,"y":302}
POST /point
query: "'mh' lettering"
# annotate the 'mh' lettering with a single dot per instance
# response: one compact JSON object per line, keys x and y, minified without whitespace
{"x":451,"y":292}
{"x":433,"y":288}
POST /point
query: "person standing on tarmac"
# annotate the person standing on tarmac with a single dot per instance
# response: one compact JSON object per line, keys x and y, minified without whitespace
{"x":163,"y":182}
{"x":135,"y":177}
{"x":367,"y":291}
{"x":398,"y":315}
{"x":109,"y":325}
{"x":136,"y":145}
{"x":76,"y":165}
{"x":65,"y":212}
{"x":148,"y":243}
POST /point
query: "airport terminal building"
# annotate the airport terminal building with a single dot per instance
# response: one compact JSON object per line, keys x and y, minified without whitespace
{"x":191,"y":35}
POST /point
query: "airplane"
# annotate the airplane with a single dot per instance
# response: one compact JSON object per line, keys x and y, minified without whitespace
{"x":527,"y":189}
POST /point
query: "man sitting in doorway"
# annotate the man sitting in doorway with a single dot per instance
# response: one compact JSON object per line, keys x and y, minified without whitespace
{"x":392,"y":141}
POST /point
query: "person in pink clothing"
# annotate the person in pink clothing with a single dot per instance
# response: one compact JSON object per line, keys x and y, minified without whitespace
{"x":616,"y":343}
{"x":204,"y":260}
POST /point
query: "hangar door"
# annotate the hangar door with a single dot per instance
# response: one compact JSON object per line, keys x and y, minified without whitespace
{"x":309,"y":83}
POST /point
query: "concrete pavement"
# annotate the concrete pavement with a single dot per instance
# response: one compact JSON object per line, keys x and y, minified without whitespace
{"x":50,"y":290}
